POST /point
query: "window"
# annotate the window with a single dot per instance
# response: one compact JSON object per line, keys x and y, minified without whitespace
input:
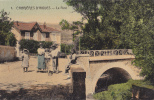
{"x":27,"y":35}
{"x":35,"y":36}
{"x":54,"y":37}
{"x":43,"y":36}
{"x":47,"y":35}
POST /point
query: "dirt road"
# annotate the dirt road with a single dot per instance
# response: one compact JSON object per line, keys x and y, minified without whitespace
{"x":12,"y":77}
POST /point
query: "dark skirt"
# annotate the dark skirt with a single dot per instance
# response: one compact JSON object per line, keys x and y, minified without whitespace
{"x":41,"y":62}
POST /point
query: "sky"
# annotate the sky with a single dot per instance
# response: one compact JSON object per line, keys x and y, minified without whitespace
{"x":49,"y":11}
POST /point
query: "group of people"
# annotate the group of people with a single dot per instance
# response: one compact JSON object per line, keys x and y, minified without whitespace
{"x":47,"y":59}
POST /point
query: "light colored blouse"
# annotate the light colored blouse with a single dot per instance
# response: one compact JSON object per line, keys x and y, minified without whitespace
{"x":40,"y":51}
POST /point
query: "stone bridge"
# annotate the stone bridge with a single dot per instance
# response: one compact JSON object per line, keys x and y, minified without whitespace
{"x":94,"y":65}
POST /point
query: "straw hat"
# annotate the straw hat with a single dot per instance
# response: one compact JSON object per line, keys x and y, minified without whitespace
{"x":25,"y":50}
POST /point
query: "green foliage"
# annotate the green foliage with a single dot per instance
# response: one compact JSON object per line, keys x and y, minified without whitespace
{"x":97,"y":32}
{"x":6,"y":37}
{"x":33,"y":45}
{"x":121,"y":91}
{"x":46,"y":44}
{"x":99,"y":41}
{"x":118,"y":25}
{"x":141,"y":83}
{"x":137,"y":32}
{"x":144,"y":51}
{"x":134,"y":19}
{"x":11,"y":39}
{"x":115,"y":92}
{"x":66,"y":48}
{"x":65,"y":25}
{"x":76,"y":27}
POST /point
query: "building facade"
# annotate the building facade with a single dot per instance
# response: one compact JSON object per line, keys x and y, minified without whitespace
{"x":34,"y":31}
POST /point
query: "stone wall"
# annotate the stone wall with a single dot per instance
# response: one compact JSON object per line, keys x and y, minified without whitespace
{"x":7,"y":53}
{"x":141,"y":93}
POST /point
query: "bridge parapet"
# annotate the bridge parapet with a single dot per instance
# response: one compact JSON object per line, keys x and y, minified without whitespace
{"x":94,"y":53}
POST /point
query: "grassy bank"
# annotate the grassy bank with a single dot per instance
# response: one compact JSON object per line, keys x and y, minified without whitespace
{"x":122,"y":91}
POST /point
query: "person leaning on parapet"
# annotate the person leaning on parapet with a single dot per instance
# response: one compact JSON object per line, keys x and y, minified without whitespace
{"x":71,"y":60}
{"x":54,"y":56}
{"x":41,"y":58}
{"x":25,"y":60}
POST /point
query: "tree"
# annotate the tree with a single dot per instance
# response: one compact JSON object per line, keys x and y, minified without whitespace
{"x":6,"y":37}
{"x":96,"y":33}
{"x":66,"y":48}
{"x":76,"y":27}
{"x":137,"y":32}
{"x":119,"y":24}
{"x":144,"y":50}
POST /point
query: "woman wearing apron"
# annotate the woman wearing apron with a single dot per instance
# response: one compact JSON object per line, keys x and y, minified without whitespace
{"x":41,"y":58}
{"x":25,"y":60}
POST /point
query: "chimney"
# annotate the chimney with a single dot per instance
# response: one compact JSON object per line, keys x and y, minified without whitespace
{"x":17,"y":23}
{"x":44,"y":24}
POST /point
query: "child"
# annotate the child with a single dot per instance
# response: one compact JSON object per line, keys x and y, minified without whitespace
{"x":47,"y":60}
{"x":25,"y":60}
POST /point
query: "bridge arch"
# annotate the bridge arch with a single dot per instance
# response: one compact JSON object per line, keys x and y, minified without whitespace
{"x":110,"y":66}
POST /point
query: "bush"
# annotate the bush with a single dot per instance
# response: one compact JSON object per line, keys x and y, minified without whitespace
{"x":121,"y":91}
{"x":66,"y":48}
{"x":33,"y":45}
{"x":7,"y":38}
{"x":46,"y":44}
{"x":115,"y":92}
{"x":12,"y":40}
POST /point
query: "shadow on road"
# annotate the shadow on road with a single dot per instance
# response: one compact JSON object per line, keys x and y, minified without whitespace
{"x":31,"y":70}
{"x":42,"y":92}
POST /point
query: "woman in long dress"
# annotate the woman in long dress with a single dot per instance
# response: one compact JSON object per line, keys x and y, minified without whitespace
{"x":41,"y":58}
{"x":25,"y":60}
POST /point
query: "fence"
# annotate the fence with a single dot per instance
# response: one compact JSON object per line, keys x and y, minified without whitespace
{"x":111,"y":52}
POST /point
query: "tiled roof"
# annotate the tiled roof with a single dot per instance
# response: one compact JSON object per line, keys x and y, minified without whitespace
{"x":24,"y":26}
{"x":29,"y":26}
{"x":44,"y":28}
